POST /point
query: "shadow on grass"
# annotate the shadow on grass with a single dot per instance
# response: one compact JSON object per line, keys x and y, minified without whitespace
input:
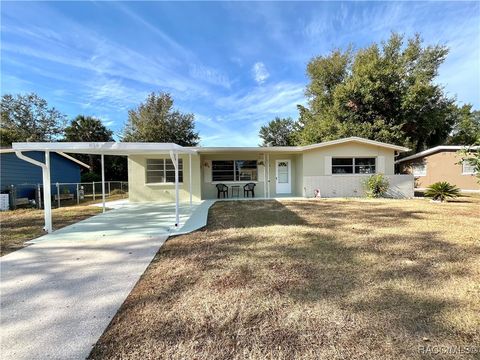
{"x":310,"y":262}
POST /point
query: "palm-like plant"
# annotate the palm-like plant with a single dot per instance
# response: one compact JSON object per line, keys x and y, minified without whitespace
{"x":441,"y":191}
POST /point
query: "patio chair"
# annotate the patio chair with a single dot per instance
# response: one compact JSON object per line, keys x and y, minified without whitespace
{"x":222,"y":189}
{"x":249,"y":188}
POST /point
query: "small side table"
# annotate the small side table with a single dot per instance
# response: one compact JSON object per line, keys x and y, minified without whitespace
{"x":235,"y":190}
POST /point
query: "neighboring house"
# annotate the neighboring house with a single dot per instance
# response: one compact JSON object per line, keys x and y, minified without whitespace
{"x":25,"y":176}
{"x":335,"y":168}
{"x":441,"y":163}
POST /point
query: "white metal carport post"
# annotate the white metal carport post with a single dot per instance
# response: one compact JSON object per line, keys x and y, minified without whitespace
{"x":190,"y":177}
{"x":103,"y":182}
{"x":174,"y":157}
{"x":47,"y":200}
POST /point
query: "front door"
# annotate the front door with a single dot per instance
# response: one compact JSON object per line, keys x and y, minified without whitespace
{"x":283,"y":177}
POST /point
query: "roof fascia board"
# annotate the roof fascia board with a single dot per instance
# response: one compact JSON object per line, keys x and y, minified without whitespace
{"x":434,"y":150}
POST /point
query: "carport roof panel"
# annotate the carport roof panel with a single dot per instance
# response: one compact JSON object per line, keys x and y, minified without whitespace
{"x":106,"y":148}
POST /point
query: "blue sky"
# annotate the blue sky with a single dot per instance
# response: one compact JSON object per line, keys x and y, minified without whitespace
{"x":234,"y":65}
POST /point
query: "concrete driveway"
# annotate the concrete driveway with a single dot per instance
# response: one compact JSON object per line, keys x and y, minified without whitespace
{"x":59,"y":294}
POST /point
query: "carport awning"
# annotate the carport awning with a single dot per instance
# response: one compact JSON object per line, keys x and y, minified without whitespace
{"x":103,"y":148}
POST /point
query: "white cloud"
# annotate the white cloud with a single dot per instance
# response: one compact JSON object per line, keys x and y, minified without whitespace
{"x":209,"y":75}
{"x":260,"y":72}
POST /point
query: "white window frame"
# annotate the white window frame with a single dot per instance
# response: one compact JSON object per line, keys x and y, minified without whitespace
{"x":353,"y":165}
{"x":466,"y":164}
{"x":235,"y":180}
{"x":180,"y":171}
{"x":421,"y":174}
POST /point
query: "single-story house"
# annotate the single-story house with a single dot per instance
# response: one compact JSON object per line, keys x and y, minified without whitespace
{"x":334,"y":169}
{"x":441,"y":163}
{"x":25,"y":177}
{"x":167,"y":172}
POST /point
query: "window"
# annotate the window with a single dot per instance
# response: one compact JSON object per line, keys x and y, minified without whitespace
{"x":342,"y":166}
{"x":364,"y":165}
{"x":234,"y":170}
{"x":163,"y":171}
{"x":419,"y":169}
{"x":353,"y":165}
{"x":467,"y":168}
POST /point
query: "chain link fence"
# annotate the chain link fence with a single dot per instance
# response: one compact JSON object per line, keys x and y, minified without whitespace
{"x":64,"y":194}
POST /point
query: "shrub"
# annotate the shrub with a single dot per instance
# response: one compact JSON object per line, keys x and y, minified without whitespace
{"x":376,"y":186}
{"x":441,"y":191}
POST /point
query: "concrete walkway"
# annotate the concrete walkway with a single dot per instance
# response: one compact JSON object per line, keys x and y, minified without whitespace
{"x":59,"y":294}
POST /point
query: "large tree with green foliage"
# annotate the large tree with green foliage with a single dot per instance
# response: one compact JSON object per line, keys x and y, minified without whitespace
{"x":29,"y":118}
{"x":278,"y":132}
{"x":466,"y":130}
{"x":155,"y":120}
{"x":384,"y":92}
{"x":90,"y":129}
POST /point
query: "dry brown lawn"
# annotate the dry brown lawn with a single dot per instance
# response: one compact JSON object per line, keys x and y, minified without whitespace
{"x":330,"y":279}
{"x":21,"y":225}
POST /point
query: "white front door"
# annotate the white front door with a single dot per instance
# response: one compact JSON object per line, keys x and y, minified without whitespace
{"x":283,"y":177}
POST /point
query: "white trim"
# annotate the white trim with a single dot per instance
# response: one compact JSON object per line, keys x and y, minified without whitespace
{"x":7,"y":151}
{"x":163,"y":184}
{"x":287,"y":149}
{"x":434,"y":150}
{"x":73,"y":159}
{"x":103,"y":181}
{"x":123,"y":148}
{"x":47,"y":200}
{"x":355,"y":139}
{"x":107,"y":148}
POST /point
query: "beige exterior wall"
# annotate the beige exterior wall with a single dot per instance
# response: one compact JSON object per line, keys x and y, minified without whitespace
{"x":441,"y":166}
{"x":314,"y":160}
{"x":303,"y":165}
{"x":139,"y":191}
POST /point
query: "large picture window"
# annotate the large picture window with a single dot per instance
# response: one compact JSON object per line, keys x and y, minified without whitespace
{"x":234,"y":170}
{"x":353,"y":165}
{"x":163,"y":171}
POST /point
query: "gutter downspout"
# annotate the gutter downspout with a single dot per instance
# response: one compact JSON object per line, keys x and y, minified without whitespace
{"x":47,"y":200}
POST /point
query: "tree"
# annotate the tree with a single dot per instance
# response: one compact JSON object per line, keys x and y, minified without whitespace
{"x":383,"y":92}
{"x":466,"y":130}
{"x":278,"y":132}
{"x":88,"y":129}
{"x":155,"y":120}
{"x":28,"y":118}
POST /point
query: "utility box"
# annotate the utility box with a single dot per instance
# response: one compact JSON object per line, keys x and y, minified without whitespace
{"x":4,"y":202}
